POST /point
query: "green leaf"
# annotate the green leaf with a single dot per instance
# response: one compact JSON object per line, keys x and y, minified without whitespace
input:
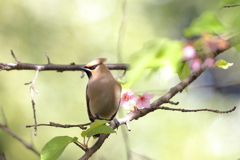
{"x":184,"y":71}
{"x":93,"y":126}
{"x":74,"y":139}
{"x":223,"y":64}
{"x":55,"y":147}
{"x":100,"y":129}
{"x":207,"y":22}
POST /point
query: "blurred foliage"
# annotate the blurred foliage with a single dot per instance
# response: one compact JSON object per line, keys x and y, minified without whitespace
{"x":183,"y":71}
{"x":160,"y":54}
{"x":79,"y":31}
{"x":207,"y":22}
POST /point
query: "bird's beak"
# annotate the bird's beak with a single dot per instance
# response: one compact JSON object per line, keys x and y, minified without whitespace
{"x":85,"y":69}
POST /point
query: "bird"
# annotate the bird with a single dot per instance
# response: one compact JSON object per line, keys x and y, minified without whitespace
{"x":103,"y":91}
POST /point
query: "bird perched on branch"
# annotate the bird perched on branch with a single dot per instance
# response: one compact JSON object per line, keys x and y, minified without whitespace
{"x":103,"y":91}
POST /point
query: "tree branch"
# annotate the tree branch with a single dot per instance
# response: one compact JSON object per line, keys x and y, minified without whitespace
{"x":137,"y":115}
{"x":52,"y":124}
{"x":54,"y":67}
{"x":27,"y":145}
{"x":197,"y":110}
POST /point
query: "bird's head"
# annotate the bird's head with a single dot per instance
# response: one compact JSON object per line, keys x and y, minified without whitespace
{"x":95,"y":67}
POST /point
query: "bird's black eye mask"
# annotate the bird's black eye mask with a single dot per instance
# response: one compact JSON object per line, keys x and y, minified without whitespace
{"x":92,"y":67}
{"x":89,"y":69}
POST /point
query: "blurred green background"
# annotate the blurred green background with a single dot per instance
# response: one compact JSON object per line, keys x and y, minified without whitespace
{"x":80,"y":31}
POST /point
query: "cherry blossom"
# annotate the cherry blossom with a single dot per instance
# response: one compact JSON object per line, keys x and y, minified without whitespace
{"x":144,"y":100}
{"x":189,"y":52}
{"x":210,"y":62}
{"x":195,"y":64}
{"x":128,"y":98}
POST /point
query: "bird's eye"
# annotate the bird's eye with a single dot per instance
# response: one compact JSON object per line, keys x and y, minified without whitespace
{"x":93,"y":67}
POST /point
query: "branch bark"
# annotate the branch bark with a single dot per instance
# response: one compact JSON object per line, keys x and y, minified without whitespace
{"x":27,"y":145}
{"x":54,"y":67}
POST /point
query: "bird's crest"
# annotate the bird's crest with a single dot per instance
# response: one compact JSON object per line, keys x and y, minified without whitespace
{"x":96,"y":62}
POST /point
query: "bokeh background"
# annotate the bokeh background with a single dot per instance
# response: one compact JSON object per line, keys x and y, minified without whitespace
{"x":80,"y":31}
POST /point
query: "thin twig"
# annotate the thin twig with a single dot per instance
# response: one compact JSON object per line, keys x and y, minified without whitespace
{"x":48,"y":59}
{"x":53,"y":124}
{"x":173,"y":103}
{"x":17,"y":60}
{"x":82,"y":76}
{"x":32,"y":90}
{"x":122,"y":75}
{"x":128,"y":126}
{"x":27,"y":145}
{"x":197,"y":110}
{"x":80,"y":146}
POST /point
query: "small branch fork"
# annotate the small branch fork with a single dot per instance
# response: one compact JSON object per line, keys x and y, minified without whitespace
{"x":197,"y":110}
{"x":32,"y":90}
{"x":52,"y":124}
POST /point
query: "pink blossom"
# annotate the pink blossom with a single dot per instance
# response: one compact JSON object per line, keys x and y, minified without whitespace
{"x":189,"y":52}
{"x":195,"y":64}
{"x":144,"y":100}
{"x":128,"y":99}
{"x":210,"y":62}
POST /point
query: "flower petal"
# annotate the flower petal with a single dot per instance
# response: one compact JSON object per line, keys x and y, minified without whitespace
{"x":144,"y":100}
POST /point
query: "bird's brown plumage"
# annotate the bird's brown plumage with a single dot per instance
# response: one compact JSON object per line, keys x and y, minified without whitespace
{"x":103,"y":91}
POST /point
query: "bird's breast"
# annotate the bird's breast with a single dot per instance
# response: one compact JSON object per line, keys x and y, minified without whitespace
{"x":104,"y":97}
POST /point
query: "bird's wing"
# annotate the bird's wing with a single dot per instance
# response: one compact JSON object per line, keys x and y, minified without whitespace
{"x":91,"y":117}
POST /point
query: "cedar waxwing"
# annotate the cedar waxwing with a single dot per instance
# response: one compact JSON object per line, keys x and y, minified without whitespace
{"x":103,"y":91}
